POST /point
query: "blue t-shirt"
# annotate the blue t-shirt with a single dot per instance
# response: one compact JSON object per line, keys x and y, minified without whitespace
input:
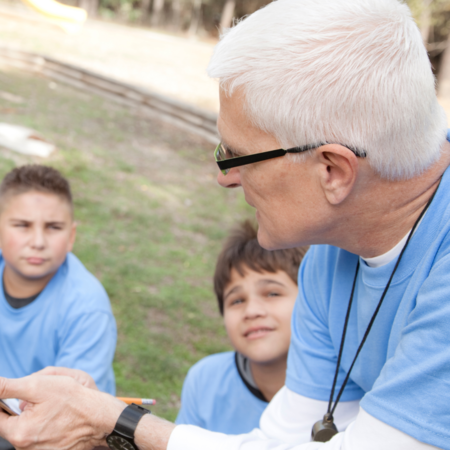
{"x":403,"y":371}
{"x":70,"y":324}
{"x":216,"y":398}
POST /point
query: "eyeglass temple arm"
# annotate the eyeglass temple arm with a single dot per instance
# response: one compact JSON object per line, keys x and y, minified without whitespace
{"x":248,"y":159}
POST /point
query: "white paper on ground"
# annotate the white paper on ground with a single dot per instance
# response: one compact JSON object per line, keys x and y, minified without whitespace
{"x":24,"y":140}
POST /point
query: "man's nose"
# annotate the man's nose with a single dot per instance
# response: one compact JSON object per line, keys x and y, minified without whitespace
{"x":231,"y":180}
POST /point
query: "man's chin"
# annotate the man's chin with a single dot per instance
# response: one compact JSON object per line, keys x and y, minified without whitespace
{"x":267,"y":242}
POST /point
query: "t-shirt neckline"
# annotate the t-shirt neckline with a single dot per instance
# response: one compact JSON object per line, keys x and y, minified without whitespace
{"x":244,"y":371}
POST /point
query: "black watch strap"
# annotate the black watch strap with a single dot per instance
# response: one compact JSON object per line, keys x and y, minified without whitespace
{"x":128,"y":420}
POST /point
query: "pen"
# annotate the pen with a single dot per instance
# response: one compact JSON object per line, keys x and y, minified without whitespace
{"x":138,"y":401}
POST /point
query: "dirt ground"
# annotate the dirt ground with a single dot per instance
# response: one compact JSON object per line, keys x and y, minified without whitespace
{"x":170,"y":65}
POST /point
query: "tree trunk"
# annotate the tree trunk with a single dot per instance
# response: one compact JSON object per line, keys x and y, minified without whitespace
{"x":145,"y":8}
{"x":90,"y":6}
{"x":227,"y":14}
{"x":176,"y":15}
{"x":196,"y":16}
{"x":158,"y":6}
{"x":444,"y":73}
{"x":425,"y":20}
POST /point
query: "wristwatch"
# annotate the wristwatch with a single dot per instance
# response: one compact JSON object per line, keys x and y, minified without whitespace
{"x":122,"y":437}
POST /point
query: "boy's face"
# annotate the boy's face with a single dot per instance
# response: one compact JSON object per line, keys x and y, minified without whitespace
{"x":36,"y":232}
{"x":257,"y":314}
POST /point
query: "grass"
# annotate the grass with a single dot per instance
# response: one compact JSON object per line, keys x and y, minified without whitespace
{"x":151,"y":220}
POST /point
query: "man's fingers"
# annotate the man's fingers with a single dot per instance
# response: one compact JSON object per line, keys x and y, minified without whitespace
{"x":6,"y":424}
{"x":50,"y":370}
{"x":78,"y":375}
{"x":22,"y":388}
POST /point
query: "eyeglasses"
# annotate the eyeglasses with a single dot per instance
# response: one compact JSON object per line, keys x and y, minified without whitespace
{"x":226,"y":164}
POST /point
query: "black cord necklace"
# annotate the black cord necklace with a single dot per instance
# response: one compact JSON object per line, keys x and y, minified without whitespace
{"x":325,"y":429}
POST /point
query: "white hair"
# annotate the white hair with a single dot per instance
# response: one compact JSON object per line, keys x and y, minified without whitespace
{"x":353,"y":72}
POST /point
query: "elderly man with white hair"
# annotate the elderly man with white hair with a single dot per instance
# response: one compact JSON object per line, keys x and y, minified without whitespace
{"x":330,"y":124}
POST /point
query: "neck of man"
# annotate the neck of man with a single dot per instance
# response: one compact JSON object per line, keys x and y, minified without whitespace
{"x":269,"y":377}
{"x":18,"y":286}
{"x":381,"y":212}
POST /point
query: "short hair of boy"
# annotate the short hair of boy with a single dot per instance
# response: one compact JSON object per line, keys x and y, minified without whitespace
{"x":242,"y":250}
{"x":35,"y":177}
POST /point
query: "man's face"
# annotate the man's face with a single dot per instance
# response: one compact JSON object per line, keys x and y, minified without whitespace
{"x":285,"y":194}
{"x":36,"y":232}
{"x":257,"y":314}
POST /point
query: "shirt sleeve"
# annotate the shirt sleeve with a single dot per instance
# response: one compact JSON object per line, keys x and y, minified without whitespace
{"x":411,"y":391}
{"x":283,"y":427}
{"x":188,"y":413}
{"x":87,"y":342}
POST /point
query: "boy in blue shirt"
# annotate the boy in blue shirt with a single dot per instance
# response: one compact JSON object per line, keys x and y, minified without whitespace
{"x":53,"y":311}
{"x":256,"y":291}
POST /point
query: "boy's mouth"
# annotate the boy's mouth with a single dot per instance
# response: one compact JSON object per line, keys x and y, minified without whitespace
{"x":35,"y":261}
{"x":257,"y":332}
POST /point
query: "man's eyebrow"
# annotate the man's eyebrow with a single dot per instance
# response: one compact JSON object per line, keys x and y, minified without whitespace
{"x":232,"y":149}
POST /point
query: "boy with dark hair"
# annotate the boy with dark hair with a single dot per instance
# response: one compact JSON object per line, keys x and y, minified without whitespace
{"x":53,"y":311}
{"x":256,"y":291}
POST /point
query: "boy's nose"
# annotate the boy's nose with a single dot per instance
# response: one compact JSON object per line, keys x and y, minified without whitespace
{"x":255,"y":308}
{"x":38,"y":238}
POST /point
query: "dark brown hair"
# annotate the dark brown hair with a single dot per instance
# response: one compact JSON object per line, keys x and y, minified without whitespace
{"x":35,"y":177}
{"x":242,"y":250}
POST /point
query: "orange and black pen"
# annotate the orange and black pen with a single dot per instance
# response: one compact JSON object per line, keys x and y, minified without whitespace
{"x":138,"y":401}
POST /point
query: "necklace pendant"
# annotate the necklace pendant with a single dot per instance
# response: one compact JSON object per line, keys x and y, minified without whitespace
{"x":324,"y":429}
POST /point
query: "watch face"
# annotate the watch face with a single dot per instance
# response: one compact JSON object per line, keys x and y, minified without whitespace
{"x":119,"y":443}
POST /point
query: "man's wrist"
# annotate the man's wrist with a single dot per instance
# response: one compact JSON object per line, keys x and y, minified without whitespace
{"x":108,"y":411}
{"x":153,"y":433}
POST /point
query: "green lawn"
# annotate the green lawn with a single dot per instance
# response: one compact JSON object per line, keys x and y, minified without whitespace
{"x":151,"y":219}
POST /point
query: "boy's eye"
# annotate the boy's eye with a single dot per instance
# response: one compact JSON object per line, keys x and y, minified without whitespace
{"x":20,"y":225}
{"x":273,"y":294}
{"x":55,"y":227}
{"x":236,"y":301}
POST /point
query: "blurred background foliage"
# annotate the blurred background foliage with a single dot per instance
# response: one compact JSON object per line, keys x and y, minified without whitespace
{"x":206,"y":18}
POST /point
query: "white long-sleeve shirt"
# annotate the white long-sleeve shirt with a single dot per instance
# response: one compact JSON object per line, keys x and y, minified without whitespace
{"x":286,"y":425}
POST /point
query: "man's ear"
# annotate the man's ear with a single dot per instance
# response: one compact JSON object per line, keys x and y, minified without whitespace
{"x":337,"y":172}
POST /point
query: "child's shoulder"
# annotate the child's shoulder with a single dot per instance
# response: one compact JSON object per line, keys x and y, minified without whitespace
{"x":219,"y":363}
{"x":80,"y":283}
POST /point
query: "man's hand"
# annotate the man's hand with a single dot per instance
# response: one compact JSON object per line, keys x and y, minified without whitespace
{"x":59,"y":413}
{"x":78,"y":375}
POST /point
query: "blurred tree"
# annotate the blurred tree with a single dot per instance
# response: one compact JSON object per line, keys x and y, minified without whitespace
{"x":176,"y":15}
{"x":433,"y":19}
{"x":227,"y":14}
{"x":145,"y":10}
{"x":90,"y":6}
{"x":158,"y":6}
{"x":196,"y":17}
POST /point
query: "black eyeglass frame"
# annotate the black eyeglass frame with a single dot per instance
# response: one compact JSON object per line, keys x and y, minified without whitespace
{"x":226,"y":164}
